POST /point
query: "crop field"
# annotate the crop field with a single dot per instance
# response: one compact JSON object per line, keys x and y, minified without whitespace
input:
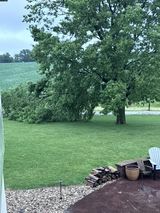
{"x":12,"y":74}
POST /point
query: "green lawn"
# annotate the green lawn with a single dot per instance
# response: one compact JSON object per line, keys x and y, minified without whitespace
{"x":12,"y":74}
{"x":42,"y":154}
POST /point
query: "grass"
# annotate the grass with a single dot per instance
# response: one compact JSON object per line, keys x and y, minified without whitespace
{"x":12,"y":74}
{"x":42,"y":154}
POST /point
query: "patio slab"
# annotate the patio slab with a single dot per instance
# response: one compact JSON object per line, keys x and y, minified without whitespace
{"x":122,"y":196}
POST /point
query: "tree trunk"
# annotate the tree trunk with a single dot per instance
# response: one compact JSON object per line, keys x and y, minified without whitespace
{"x":121,"y":117}
{"x":149,"y":106}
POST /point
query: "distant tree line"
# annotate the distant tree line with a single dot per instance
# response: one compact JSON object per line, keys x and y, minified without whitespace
{"x":24,"y":55}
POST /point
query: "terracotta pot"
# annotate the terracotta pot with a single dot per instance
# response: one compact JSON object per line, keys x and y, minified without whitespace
{"x":132,"y":172}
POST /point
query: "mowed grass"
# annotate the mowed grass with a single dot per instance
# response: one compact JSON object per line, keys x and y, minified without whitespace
{"x":13,"y":74}
{"x":39,"y":155}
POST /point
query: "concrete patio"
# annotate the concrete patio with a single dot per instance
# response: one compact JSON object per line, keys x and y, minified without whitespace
{"x":122,"y":196}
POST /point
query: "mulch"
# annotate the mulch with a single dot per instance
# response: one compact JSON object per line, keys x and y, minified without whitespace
{"x":122,"y":196}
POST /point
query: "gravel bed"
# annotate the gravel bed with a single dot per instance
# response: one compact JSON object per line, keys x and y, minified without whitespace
{"x":134,"y":112}
{"x":45,"y":200}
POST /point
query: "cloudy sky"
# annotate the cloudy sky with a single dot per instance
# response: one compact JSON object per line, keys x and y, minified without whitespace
{"x":14,"y":35}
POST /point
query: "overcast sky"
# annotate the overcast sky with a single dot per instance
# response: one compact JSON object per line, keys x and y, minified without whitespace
{"x":14,"y":35}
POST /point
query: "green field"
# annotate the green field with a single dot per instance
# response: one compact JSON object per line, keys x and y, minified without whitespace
{"x":42,"y":154}
{"x":12,"y":74}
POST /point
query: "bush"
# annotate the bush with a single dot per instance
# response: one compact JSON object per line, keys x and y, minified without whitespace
{"x":35,"y":103}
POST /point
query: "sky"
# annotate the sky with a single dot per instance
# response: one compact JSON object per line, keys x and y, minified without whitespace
{"x":14,"y":35}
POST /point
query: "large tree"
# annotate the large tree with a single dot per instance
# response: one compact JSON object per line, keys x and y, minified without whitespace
{"x":111,"y":47}
{"x":24,"y":55}
{"x":6,"y":58}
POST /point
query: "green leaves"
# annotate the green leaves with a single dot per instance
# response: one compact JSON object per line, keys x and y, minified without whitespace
{"x":87,"y":48}
{"x":113,"y":96}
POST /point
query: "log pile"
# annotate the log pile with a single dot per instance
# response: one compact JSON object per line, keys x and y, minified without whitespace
{"x":101,"y":175}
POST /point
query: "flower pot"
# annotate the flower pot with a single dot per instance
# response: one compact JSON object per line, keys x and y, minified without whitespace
{"x":132,"y":172}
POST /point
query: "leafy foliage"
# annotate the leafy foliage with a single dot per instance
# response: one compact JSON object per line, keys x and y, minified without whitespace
{"x":112,"y":44}
{"x":99,"y":51}
{"x":6,"y":58}
{"x":25,"y":55}
{"x":113,"y":97}
{"x":39,"y":102}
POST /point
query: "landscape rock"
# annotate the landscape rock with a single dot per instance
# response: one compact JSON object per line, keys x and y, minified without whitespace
{"x":45,"y":200}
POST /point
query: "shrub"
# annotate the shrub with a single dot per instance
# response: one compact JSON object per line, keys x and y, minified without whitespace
{"x":35,"y":103}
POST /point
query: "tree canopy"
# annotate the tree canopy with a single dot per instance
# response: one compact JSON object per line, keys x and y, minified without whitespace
{"x":6,"y":58}
{"x":24,"y":55}
{"x":96,"y":52}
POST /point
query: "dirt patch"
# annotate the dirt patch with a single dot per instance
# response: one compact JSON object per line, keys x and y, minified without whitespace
{"x":122,"y":196}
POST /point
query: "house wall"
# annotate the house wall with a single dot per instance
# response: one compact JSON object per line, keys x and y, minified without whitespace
{"x":2,"y":191}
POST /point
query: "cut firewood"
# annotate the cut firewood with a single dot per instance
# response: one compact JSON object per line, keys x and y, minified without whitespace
{"x":93,"y":177}
{"x":91,"y":183}
{"x":101,"y":175}
{"x":97,"y":173}
{"x":112,"y":169}
{"x":101,"y":168}
{"x":107,"y":169}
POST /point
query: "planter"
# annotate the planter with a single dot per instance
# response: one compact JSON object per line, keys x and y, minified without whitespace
{"x":132,"y":172}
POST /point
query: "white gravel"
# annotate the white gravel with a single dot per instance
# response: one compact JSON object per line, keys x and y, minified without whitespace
{"x":45,"y":200}
{"x":134,"y":112}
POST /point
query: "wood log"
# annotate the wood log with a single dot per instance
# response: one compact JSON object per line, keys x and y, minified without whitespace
{"x":91,"y":180}
{"x":93,"y":177}
{"x":97,"y":173}
{"x":107,"y":170}
{"x":101,"y":175}
{"x":106,"y":178}
{"x":91,"y":183}
{"x":113,"y":176}
{"x":101,"y":168}
{"x":117,"y":174}
{"x":112,"y":169}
